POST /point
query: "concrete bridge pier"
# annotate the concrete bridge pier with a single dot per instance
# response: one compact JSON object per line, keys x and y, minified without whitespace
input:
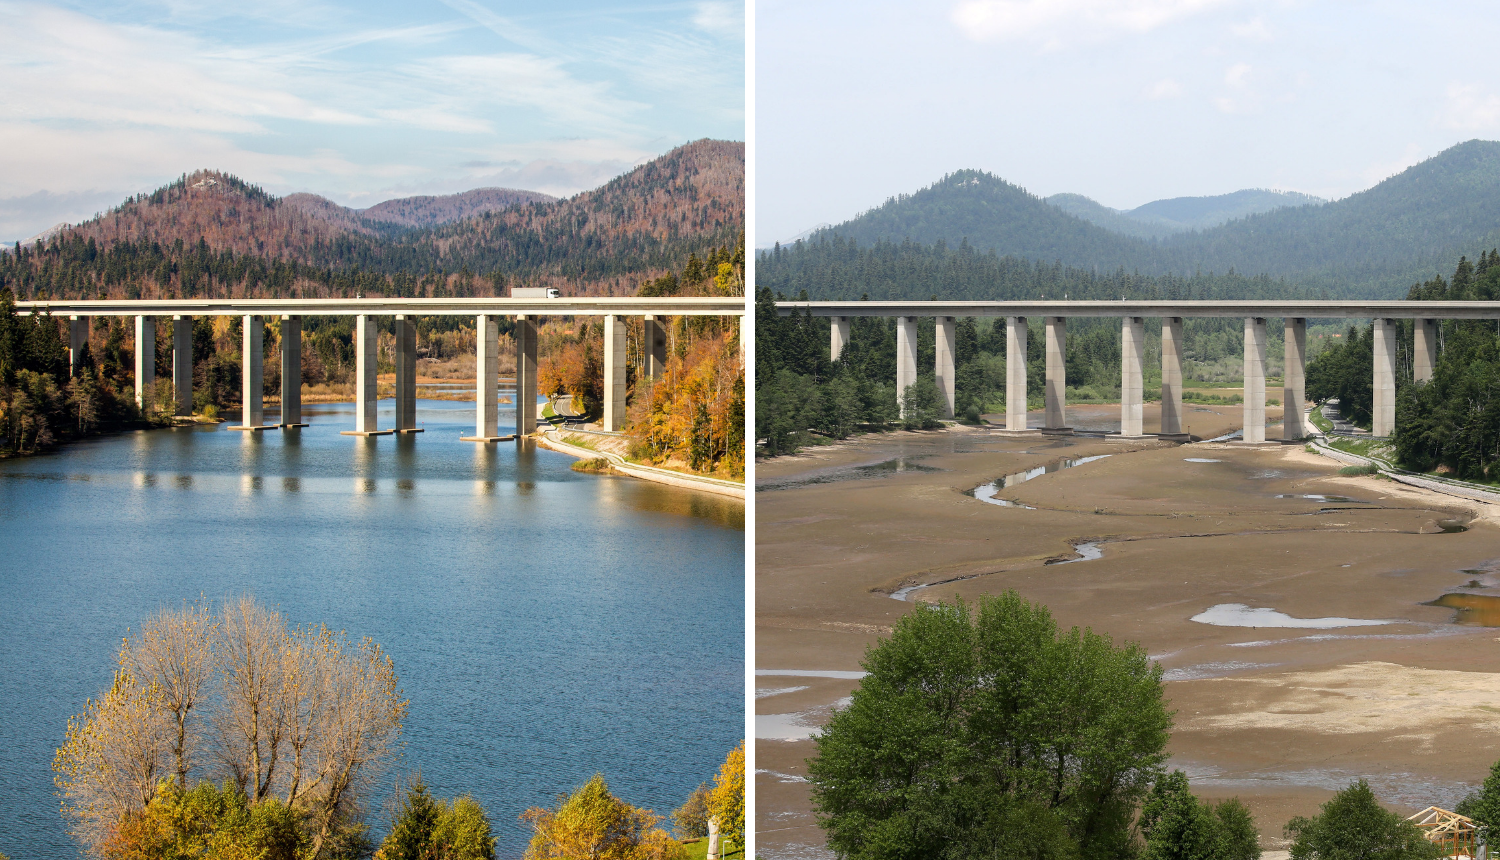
{"x":252,"y":375}
{"x":1383,"y":418}
{"x":1132,"y":377}
{"x":1057,"y":377}
{"x":526,"y":370}
{"x":906,"y":358}
{"x":1424,"y":352}
{"x":615,"y":381}
{"x":366,"y":394}
{"x":182,"y":364}
{"x":947,"y":363}
{"x":145,"y":359}
{"x":653,"y":345}
{"x":487,"y":381}
{"x":839,"y":338}
{"x":1171,"y":381}
{"x":78,"y":337}
{"x":1015,"y":375}
{"x":1294,"y":381}
{"x":291,"y":372}
{"x":406,"y":375}
{"x":1255,"y":381}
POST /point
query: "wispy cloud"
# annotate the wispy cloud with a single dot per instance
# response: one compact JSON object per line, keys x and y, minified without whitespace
{"x":345,"y":100}
{"x":1166,"y":88}
{"x":1054,"y":22}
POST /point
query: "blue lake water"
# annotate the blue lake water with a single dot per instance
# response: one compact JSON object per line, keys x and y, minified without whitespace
{"x":545,"y":624}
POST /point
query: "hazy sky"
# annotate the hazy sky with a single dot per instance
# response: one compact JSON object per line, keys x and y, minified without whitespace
{"x":358,"y":100}
{"x":1126,"y":101}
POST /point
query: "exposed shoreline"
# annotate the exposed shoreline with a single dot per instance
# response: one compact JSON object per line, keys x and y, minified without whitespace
{"x":1279,"y":716}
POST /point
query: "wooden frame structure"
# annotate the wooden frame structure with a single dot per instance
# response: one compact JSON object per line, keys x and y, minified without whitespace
{"x":1457,"y":835}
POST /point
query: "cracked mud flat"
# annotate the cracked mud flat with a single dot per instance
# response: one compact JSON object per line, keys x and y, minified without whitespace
{"x":1278,"y":716}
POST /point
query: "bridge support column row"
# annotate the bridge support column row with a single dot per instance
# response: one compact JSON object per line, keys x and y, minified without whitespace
{"x":1424,"y":352}
{"x":145,"y":359}
{"x":1383,"y":419}
{"x":1294,"y":380}
{"x":526,"y":369}
{"x":78,"y":338}
{"x":182,"y":364}
{"x":291,"y":372}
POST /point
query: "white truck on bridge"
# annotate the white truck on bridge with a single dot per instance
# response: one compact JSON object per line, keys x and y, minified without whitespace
{"x":535,"y":293}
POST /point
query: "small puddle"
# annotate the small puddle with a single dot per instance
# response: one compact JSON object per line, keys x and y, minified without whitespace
{"x":1478,"y":610}
{"x":768,"y":692}
{"x":1240,"y":615}
{"x":1318,"y":497}
{"x":1200,"y":460}
{"x":986,"y":493}
{"x":1089,"y":551}
{"x":901,"y":593}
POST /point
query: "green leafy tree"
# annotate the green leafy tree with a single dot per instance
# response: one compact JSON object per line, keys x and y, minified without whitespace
{"x":429,"y":829}
{"x":1354,"y":826}
{"x":983,"y":730}
{"x":1177,"y":827}
{"x":690,"y":820}
{"x":922,"y":405}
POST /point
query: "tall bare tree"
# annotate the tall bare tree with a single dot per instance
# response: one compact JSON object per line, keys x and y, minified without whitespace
{"x":174,"y":652}
{"x":112,"y":757}
{"x":252,"y":645}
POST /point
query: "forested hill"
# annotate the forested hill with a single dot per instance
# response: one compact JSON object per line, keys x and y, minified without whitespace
{"x":211,"y":234}
{"x":1161,"y":218}
{"x":1375,"y":243}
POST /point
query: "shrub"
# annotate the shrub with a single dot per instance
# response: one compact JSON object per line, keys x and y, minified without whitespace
{"x":1355,"y":471}
{"x":1353,"y":826}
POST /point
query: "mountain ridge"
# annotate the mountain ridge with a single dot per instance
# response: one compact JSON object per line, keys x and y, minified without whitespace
{"x":1374,"y":243}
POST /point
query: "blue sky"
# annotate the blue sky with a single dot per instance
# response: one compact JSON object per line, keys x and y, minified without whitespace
{"x":357,"y":101}
{"x":1126,"y":101}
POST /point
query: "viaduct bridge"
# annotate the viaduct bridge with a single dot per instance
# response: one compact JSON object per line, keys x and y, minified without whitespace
{"x":1133,"y":315}
{"x":486,"y":312}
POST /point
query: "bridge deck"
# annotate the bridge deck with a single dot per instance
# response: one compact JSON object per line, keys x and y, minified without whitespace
{"x":1300,"y":309}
